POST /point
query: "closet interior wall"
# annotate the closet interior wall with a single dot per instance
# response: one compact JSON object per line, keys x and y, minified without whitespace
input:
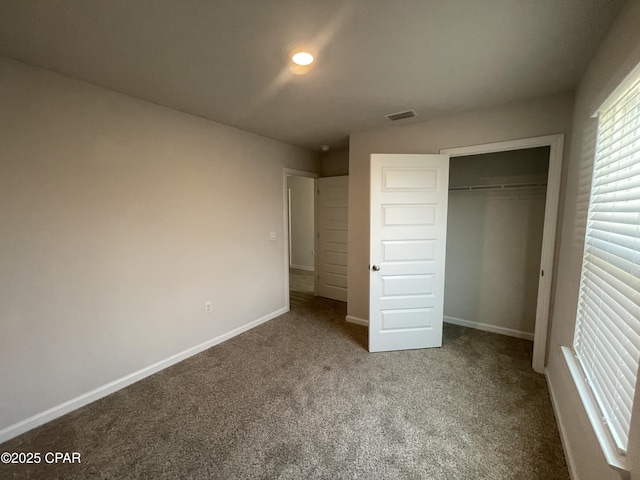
{"x":494,"y":240}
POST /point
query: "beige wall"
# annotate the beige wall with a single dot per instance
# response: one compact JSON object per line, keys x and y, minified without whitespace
{"x":302,"y":225}
{"x":536,"y":117}
{"x":335,"y":163}
{"x":494,"y":240}
{"x":619,"y":53}
{"x":119,"y":218}
{"x":516,"y":166}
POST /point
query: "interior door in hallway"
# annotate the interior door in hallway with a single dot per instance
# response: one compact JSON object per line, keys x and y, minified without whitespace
{"x":333,"y":197}
{"x":407,"y":251}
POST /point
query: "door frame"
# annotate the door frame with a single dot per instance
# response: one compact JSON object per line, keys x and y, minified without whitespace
{"x":556,"y":146}
{"x":291,"y":172}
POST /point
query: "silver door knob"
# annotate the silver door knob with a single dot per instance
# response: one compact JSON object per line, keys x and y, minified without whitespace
{"x":375,"y":268}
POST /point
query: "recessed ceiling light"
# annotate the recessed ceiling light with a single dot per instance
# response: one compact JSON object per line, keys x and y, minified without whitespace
{"x":302,"y":58}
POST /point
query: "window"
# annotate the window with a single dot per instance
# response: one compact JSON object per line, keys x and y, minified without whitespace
{"x":607,"y":334}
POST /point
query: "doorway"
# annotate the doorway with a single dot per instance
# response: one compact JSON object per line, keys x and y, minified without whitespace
{"x":300,"y":235}
{"x":318,"y":208}
{"x":494,"y":240}
{"x":554,"y":143}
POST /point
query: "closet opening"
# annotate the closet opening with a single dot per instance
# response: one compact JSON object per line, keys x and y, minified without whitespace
{"x":494,"y":240}
{"x":301,"y":237}
{"x":503,"y":210}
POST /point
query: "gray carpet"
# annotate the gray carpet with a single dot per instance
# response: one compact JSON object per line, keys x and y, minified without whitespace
{"x":300,"y":397}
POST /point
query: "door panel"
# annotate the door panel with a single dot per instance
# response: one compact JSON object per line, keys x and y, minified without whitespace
{"x":333,"y":196}
{"x":408,"y":245}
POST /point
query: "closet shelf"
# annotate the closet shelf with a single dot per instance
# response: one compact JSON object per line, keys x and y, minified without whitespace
{"x":504,"y":186}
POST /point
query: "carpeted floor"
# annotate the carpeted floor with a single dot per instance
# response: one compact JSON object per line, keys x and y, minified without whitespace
{"x":300,"y":398}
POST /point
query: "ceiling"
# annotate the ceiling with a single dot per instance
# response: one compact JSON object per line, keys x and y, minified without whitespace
{"x":226,"y":60}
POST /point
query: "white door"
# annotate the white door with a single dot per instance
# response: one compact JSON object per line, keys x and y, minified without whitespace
{"x":408,"y":244}
{"x":333,"y":198}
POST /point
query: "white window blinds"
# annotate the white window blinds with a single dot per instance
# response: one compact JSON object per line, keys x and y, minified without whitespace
{"x":607,"y":336}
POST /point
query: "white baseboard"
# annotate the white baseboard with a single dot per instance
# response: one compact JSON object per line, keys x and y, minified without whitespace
{"x":41,"y":418}
{"x":464,"y":323}
{"x":489,"y":328}
{"x":301,"y":267}
{"x":563,"y":435}
{"x":356,"y":320}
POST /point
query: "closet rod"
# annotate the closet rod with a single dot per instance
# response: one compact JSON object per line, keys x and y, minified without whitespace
{"x":504,"y":186}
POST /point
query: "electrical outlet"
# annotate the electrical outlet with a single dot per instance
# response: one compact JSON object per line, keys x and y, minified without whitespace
{"x":208,"y":306}
{"x":272,"y":235}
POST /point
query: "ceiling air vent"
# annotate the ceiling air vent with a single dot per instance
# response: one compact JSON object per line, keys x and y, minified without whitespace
{"x":392,"y":117}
